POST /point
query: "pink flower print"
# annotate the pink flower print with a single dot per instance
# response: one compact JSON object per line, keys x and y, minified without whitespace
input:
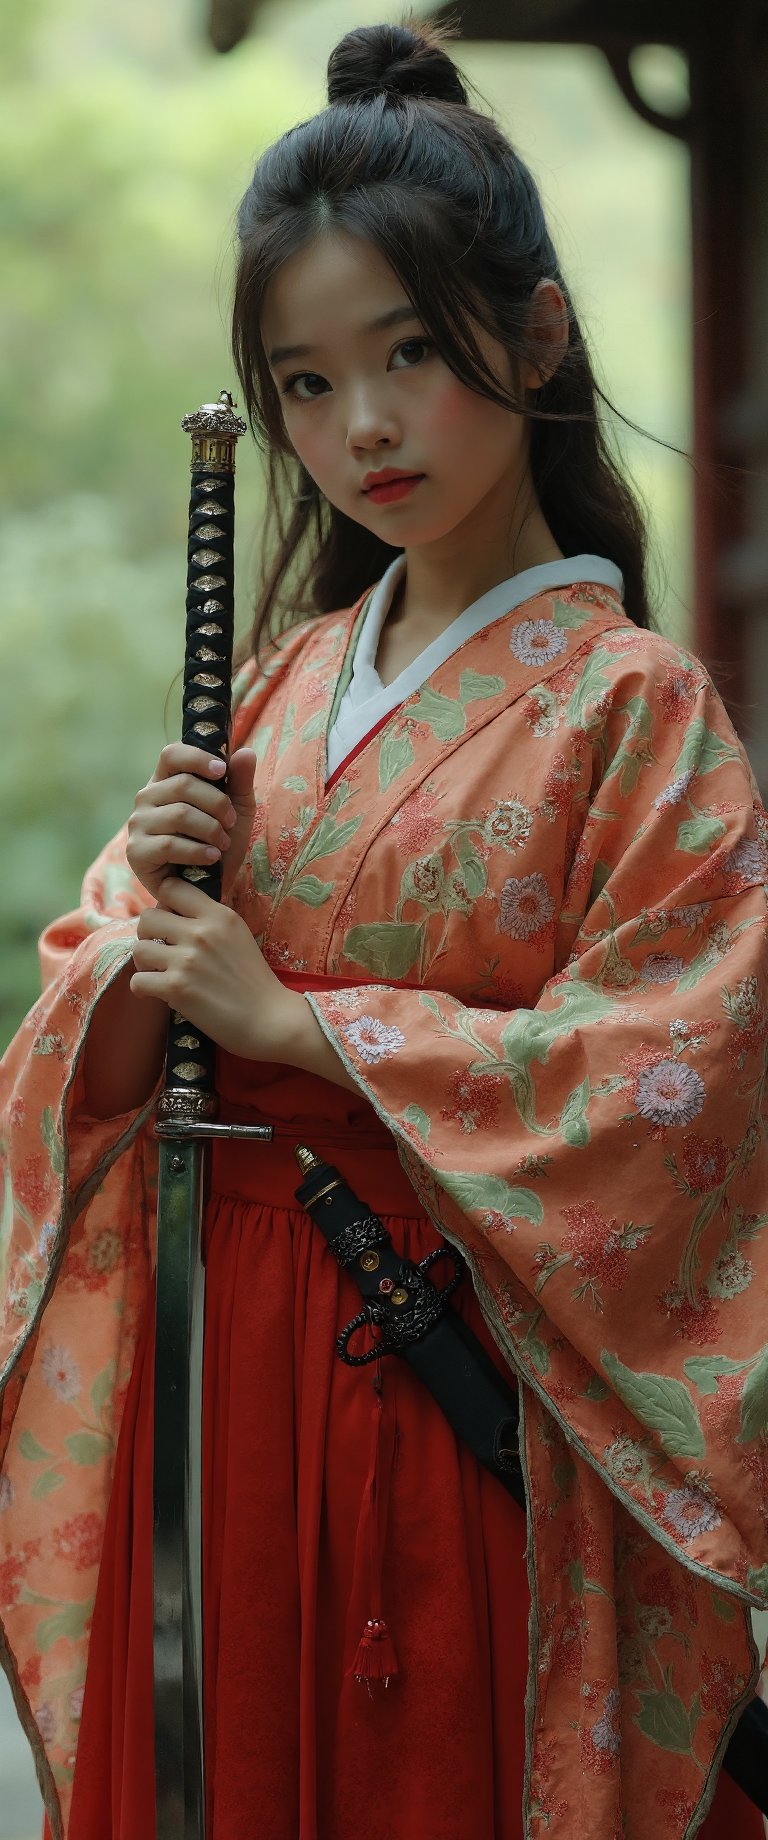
{"x":660,"y":1590}
{"x":697,"y":1322}
{"x":34,"y":1184}
{"x":671,"y":1093}
{"x":473,"y":1100}
{"x":595,"y":1245}
{"x":537,"y":641}
{"x":717,"y":1685}
{"x":704,"y":1163}
{"x":678,"y":1806}
{"x":80,"y":1540}
{"x":526,"y":906}
{"x":16,"y":1112}
{"x":373,"y":1040}
{"x":690,"y":1512}
{"x":676,"y":695}
{"x":662,"y":968}
{"x":581,"y":867}
{"x":61,"y":1373}
{"x":414,"y":824}
{"x":559,"y":784}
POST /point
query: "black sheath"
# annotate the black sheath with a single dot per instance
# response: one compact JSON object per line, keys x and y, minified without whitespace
{"x":413,"y":1319}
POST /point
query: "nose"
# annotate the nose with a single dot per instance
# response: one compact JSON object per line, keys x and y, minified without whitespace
{"x":370,"y":423}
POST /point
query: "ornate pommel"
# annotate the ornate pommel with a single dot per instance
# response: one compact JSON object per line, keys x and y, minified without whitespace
{"x":306,"y":1159}
{"x":215,"y":431}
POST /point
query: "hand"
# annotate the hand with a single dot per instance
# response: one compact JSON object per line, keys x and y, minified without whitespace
{"x":183,"y":816}
{"x":201,"y":958}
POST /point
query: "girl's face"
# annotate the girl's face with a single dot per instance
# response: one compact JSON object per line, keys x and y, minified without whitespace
{"x":368,"y":390}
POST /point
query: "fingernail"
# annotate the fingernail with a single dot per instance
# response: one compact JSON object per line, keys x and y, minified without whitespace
{"x":231,"y":818}
{"x":211,"y":853}
{"x":217,"y":766}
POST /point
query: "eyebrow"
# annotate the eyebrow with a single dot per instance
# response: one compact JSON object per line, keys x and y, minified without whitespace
{"x":396,"y":316}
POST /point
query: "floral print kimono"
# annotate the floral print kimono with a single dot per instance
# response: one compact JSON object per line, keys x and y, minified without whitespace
{"x":529,"y":912}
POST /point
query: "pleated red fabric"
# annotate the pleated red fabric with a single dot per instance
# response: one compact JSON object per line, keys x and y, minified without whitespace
{"x":288,"y":1440}
{"x":289,"y":1435}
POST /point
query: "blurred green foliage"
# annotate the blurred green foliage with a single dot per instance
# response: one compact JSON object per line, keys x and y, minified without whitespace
{"x":125,"y":145}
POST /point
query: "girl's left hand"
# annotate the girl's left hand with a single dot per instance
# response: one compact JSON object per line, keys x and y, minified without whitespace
{"x":212,"y":970}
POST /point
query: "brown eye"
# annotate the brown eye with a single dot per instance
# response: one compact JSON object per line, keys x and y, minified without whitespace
{"x":420,"y":346}
{"x":307,"y":377}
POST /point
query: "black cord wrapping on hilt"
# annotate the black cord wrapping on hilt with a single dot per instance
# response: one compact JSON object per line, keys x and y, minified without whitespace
{"x":206,"y":704}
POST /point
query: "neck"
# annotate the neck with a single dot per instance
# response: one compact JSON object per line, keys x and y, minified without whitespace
{"x":444,"y":577}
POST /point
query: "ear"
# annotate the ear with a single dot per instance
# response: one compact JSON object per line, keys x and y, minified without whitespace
{"x":548,"y":331}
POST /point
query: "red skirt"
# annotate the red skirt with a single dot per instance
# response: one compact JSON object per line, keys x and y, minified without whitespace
{"x":290,"y":1438}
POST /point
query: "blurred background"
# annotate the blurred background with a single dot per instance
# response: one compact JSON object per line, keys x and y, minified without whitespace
{"x":127,"y":138}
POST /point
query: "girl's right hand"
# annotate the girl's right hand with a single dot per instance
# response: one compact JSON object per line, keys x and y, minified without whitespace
{"x":183,"y":816}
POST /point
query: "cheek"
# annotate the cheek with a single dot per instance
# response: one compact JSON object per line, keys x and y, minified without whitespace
{"x":459,"y":418}
{"x":306,"y":441}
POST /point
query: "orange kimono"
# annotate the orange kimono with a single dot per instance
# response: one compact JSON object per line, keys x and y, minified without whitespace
{"x":541,"y":884}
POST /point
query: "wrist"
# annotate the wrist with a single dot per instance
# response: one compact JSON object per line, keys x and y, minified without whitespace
{"x":303,"y":1044}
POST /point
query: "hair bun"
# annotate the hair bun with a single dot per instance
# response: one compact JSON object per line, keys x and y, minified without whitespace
{"x":395,"y":61}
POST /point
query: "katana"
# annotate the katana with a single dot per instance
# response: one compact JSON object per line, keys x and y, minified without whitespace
{"x":186,"y":1119}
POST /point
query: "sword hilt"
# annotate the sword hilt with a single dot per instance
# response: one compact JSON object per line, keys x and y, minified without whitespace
{"x":190,"y":1092}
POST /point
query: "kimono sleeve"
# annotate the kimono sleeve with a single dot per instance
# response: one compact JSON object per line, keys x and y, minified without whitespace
{"x":77,"y":1214}
{"x":611,"y":1200}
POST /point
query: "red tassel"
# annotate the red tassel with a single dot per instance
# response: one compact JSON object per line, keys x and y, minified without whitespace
{"x":375,"y":1658}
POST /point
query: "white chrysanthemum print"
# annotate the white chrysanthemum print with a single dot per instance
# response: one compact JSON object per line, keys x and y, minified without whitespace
{"x":662,"y":968}
{"x":747,"y":859}
{"x":7,"y":1495}
{"x":690,"y":1512}
{"x":671,"y":1093}
{"x":675,"y":791}
{"x":61,"y":1373}
{"x":606,"y":1736}
{"x":45,"y":1720}
{"x":509,"y":823}
{"x":537,"y":641}
{"x":732,"y":1274}
{"x":46,"y":1239}
{"x":525,"y":907}
{"x":687,"y":916}
{"x":372,"y":1039}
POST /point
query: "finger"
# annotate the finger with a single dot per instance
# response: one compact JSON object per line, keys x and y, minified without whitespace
{"x":190,"y":791}
{"x":150,"y":984}
{"x":178,"y":819}
{"x":178,"y":896}
{"x":242,"y":769}
{"x":151,"y":955}
{"x":179,"y":757}
{"x":157,"y":852}
{"x":156,"y":923}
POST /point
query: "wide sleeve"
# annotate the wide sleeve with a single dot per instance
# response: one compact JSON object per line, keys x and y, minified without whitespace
{"x":600,"y":1158}
{"x":77,"y":1222}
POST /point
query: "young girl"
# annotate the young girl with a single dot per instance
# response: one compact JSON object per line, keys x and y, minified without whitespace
{"x":492,"y":941}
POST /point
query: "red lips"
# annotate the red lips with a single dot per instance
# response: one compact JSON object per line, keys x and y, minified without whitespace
{"x":385,"y":476}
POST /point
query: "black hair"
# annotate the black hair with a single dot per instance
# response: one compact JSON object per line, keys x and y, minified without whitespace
{"x":400,"y":158}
